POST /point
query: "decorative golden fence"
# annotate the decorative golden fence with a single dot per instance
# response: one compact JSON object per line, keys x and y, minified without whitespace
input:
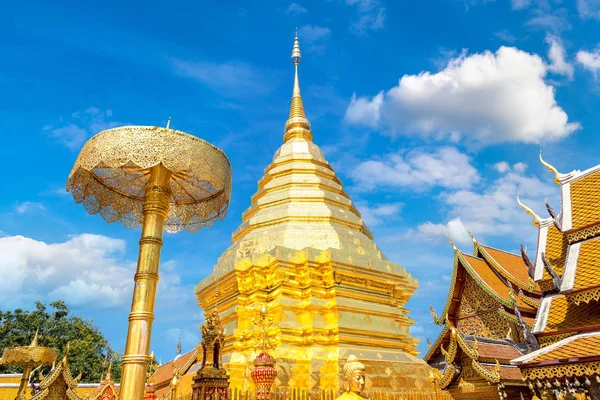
{"x":301,"y":394}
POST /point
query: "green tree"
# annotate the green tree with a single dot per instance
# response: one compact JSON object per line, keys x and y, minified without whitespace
{"x":89,"y":352}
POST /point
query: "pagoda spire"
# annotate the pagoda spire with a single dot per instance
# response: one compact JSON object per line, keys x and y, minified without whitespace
{"x":297,"y":126}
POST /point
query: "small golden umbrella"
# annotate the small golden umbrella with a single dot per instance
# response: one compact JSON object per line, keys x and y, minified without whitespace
{"x":28,"y":357}
{"x":158,"y":178}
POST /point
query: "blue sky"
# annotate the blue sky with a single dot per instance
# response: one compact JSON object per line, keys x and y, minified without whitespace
{"x":432,"y":113}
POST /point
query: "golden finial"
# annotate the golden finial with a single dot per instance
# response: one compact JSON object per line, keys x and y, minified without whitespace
{"x":34,"y":342}
{"x":451,"y":242}
{"x":433,"y":314}
{"x":296,"y":56}
{"x":428,"y":343}
{"x":297,"y":126}
{"x":108,"y":374}
{"x":536,"y":219}
{"x":169,"y":123}
{"x":470,"y":234}
{"x":551,"y":169}
{"x":64,"y":360}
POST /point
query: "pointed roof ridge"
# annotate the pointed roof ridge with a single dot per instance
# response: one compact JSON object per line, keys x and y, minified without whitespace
{"x":297,"y":126}
{"x":504,"y":251}
{"x":512,"y":274}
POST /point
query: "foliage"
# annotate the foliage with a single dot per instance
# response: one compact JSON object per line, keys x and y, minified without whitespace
{"x":89,"y":350}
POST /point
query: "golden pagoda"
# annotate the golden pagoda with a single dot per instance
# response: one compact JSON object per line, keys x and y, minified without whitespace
{"x":567,"y":268}
{"x":486,"y":321}
{"x":304,"y":251}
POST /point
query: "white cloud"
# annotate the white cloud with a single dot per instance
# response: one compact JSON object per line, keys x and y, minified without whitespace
{"x":378,"y":213}
{"x":72,"y":132}
{"x":506,"y":36}
{"x":232,"y":78}
{"x":556,"y":54}
{"x":29,"y":206}
{"x":589,"y":9}
{"x":554,"y":21}
{"x":590,"y":60}
{"x":313,"y":35}
{"x":86,"y":270}
{"x":296,"y":8}
{"x":487,"y":98}
{"x":445,"y":167}
{"x":370,"y":15}
{"x":519,"y":4}
{"x":493,"y":209}
{"x":502,"y":167}
{"x":364,"y":111}
{"x":520,"y":167}
{"x":455,"y":229}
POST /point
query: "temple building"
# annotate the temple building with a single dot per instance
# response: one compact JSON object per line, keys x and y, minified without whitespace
{"x":303,"y":250}
{"x":487,"y":320}
{"x":567,"y":268}
{"x":186,"y":365}
{"x":105,"y":390}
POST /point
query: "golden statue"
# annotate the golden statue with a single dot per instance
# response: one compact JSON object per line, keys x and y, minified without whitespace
{"x":354,"y":379}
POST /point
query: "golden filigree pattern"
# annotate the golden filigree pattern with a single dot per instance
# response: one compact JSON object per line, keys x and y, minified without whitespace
{"x":585,"y":296}
{"x":111,"y":173}
{"x":583,"y":234}
{"x":562,"y":370}
{"x":486,"y":324}
{"x":475,"y":299}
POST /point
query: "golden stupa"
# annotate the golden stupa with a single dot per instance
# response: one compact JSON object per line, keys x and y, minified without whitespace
{"x":304,"y":251}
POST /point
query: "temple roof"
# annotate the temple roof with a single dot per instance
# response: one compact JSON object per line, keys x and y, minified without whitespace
{"x":489,"y":358}
{"x":562,"y":234}
{"x":496,"y":272}
{"x":575,"y":348}
{"x":556,"y":315}
{"x":107,"y":390}
{"x":510,"y":266}
{"x":497,"y":350}
{"x":163,"y":375}
{"x":59,"y":381}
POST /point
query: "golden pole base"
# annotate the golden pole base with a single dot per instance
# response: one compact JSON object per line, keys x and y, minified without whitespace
{"x":137,"y":349}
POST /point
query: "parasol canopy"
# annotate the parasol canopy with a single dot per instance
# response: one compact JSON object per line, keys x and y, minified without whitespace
{"x":29,"y":356}
{"x":112,"y":170}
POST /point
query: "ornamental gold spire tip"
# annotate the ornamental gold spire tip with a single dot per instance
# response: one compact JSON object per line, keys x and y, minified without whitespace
{"x":34,"y":342}
{"x":297,"y":126}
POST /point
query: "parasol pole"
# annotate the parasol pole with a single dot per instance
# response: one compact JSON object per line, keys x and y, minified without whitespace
{"x":137,"y":348}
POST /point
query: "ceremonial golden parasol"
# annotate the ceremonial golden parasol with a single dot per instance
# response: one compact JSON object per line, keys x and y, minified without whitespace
{"x":158,"y":178}
{"x":28,"y":357}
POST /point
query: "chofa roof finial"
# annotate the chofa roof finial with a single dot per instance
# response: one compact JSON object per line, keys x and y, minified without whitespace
{"x":536,"y":219}
{"x":552,"y":169}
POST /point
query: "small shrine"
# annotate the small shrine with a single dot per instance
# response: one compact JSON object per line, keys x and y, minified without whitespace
{"x":212,"y":380}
